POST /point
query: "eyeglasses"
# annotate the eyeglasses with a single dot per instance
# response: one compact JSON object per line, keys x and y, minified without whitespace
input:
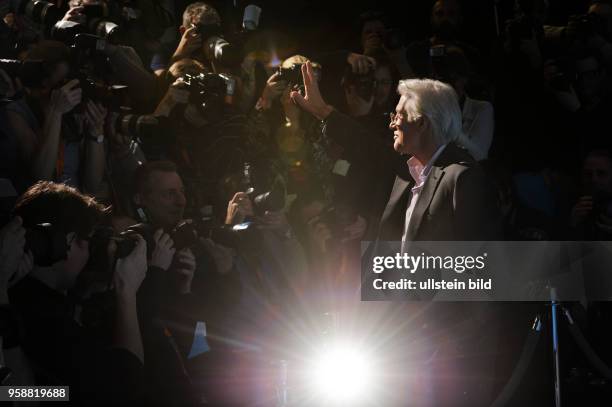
{"x":394,"y":117}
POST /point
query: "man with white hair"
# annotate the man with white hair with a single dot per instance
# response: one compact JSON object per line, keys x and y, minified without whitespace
{"x":446,"y":195}
{"x":443,"y":196}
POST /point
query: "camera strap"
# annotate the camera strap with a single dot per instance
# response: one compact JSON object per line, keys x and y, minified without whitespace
{"x":172,"y":342}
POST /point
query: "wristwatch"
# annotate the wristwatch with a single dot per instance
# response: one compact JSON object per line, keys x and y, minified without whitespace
{"x":99,"y":139}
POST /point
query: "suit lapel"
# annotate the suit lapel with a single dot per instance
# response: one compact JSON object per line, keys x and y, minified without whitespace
{"x":391,"y":224}
{"x":399,"y":190}
{"x":425,"y":197}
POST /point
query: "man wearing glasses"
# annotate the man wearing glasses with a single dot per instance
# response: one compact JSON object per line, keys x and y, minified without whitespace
{"x":443,"y":196}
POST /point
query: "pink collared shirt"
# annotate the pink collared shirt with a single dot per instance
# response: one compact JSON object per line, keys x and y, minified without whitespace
{"x":419,"y":173}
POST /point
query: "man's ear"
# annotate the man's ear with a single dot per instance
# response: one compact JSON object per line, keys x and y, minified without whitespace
{"x":423,"y":122}
{"x":182,"y":30}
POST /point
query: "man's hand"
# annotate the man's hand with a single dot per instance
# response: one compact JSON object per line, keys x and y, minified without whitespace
{"x":190,"y":42}
{"x":164,"y":250}
{"x":581,"y":210}
{"x":184,"y":267}
{"x":66,"y":98}
{"x":312,"y":102}
{"x":130,"y":271}
{"x":238,"y":209}
{"x":177,"y":94}
{"x":361,"y":64}
{"x":75,"y":14}
{"x":95,"y":114}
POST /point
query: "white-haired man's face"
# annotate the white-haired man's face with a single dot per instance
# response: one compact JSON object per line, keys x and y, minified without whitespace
{"x":408,"y":132}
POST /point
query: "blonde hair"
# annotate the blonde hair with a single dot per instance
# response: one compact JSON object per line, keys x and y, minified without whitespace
{"x":298,"y":59}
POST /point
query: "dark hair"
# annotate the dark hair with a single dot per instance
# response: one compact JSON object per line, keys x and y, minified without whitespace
{"x":372,"y":15}
{"x":186,"y":66}
{"x":142,"y":175}
{"x":60,"y":205}
{"x":50,"y":52}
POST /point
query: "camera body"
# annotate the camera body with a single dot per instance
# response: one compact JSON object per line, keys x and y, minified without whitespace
{"x":292,"y":75}
{"x":210,"y":92}
{"x":264,"y":199}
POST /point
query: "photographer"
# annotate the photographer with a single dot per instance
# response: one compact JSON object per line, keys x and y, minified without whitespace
{"x":447,"y":28}
{"x":591,"y":216}
{"x":451,"y":66}
{"x":283,"y":138}
{"x":185,"y":285}
{"x":100,"y":369}
{"x":273,"y":269}
{"x":378,"y":40}
{"x":190,"y":44}
{"x":595,"y":100}
{"x":57,"y":135}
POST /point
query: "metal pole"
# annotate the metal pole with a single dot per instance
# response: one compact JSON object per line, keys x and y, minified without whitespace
{"x":555,"y":340}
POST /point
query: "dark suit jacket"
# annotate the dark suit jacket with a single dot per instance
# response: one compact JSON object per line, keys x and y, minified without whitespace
{"x":456,"y":203}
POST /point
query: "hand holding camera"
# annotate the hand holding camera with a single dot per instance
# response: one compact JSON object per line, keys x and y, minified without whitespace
{"x":119,"y":142}
{"x":131,"y":270}
{"x":275,"y":86}
{"x":164,"y":250}
{"x":190,"y":42}
{"x":95,"y":113}
{"x":184,"y":268}
{"x":361,"y":64}
{"x":75,"y":14}
{"x":66,"y":98}
{"x":239,"y":208}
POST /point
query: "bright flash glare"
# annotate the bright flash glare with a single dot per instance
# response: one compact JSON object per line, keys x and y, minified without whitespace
{"x":341,"y":375}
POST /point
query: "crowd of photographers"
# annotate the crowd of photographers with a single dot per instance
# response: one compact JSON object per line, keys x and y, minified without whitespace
{"x":158,"y":179}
